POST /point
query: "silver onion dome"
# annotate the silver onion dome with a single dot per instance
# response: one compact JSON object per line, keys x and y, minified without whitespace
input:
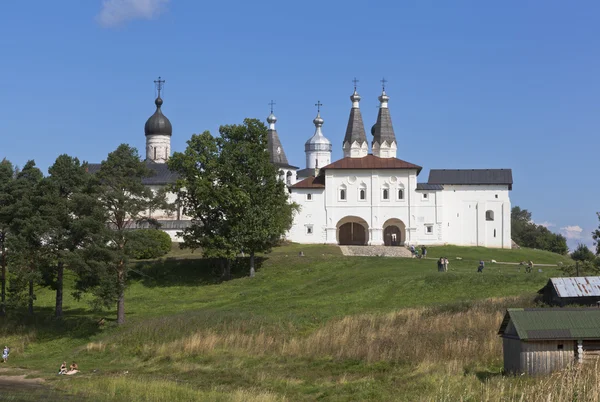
{"x":318,"y":142}
{"x":271,"y":119}
{"x":355,"y":97}
{"x":383,"y":97}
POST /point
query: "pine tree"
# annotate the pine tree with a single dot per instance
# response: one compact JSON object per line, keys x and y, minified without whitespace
{"x":7,"y":175}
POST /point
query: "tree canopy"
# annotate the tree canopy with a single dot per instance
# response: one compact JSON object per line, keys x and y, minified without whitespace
{"x":527,"y":234}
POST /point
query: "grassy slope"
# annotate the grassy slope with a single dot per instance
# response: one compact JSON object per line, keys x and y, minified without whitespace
{"x":291,"y":296}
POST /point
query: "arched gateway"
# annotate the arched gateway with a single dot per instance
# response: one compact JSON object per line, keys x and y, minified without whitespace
{"x":352,"y":230}
{"x":394,"y":232}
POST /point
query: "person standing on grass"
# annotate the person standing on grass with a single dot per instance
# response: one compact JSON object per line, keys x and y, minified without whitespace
{"x":481,"y":266}
{"x":424,"y":251}
{"x":529,"y":267}
{"x":441,"y":264}
{"x":445,"y":264}
{"x":5,"y":354}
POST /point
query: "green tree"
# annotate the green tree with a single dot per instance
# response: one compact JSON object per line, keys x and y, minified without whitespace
{"x":126,"y":201}
{"x":596,"y":237}
{"x":27,"y":229}
{"x":527,"y":234}
{"x":73,"y":215}
{"x":7,"y":175}
{"x":262,"y":214}
{"x":583,"y":253}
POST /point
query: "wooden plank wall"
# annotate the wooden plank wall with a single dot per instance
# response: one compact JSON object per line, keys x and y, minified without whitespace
{"x":544,"y":357}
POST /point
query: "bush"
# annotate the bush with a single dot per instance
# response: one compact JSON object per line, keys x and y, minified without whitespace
{"x":144,"y":244}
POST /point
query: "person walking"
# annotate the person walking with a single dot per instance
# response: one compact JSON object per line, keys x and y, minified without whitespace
{"x":5,"y":354}
{"x":424,"y":251}
{"x":481,"y":266}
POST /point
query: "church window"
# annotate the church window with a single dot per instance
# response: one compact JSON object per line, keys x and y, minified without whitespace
{"x":309,"y":197}
{"x":425,"y":196}
{"x":496,"y":195}
{"x":494,"y":232}
{"x":309,"y":229}
{"x":386,"y":194}
{"x":343,"y":194}
{"x":288,"y":178}
{"x":154,"y":153}
{"x":363,"y":194}
{"x":400,"y":193}
{"x":489,"y":215}
{"x":429,"y":229}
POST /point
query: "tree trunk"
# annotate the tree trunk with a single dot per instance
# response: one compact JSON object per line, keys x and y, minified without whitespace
{"x":121,"y":299}
{"x":3,"y":302}
{"x":31,"y":297}
{"x":252,"y":271}
{"x":58,"y":311}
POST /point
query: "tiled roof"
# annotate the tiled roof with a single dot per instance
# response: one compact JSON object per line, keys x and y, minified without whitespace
{"x":372,"y":162}
{"x":162,"y":175}
{"x":553,"y":323}
{"x":383,"y":129}
{"x":430,"y":187}
{"x":355,"y":131}
{"x":471,"y":176}
{"x":311,"y":182}
{"x":273,"y":144}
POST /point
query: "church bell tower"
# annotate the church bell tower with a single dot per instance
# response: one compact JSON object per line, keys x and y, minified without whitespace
{"x":158,"y":131}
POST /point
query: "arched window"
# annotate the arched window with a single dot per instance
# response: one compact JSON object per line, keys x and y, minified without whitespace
{"x":288,"y":178}
{"x":342,"y":194}
{"x":363,"y":194}
{"x":400,"y":193}
{"x":386,"y":194}
{"x":494,"y":232}
{"x":489,"y":215}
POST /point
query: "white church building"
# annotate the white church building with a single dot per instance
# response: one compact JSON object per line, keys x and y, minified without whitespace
{"x":364,"y":198}
{"x":377,"y":199}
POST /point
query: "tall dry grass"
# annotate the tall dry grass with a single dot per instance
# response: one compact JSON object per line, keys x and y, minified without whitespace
{"x":455,"y":336}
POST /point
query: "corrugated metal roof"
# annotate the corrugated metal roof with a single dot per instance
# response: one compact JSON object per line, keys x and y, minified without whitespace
{"x":471,"y":176}
{"x":372,"y":162}
{"x":430,"y":187}
{"x":583,"y":286}
{"x":554,"y":323}
{"x":311,"y":182}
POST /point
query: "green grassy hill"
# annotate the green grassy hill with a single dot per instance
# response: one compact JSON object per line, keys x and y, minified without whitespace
{"x":318,"y":326}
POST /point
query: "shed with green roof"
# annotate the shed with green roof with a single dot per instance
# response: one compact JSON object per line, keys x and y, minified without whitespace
{"x":543,"y":340}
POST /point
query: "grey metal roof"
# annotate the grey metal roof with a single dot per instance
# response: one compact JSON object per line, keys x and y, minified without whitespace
{"x":305,"y":172}
{"x":430,"y":187}
{"x":355,"y":131}
{"x":471,"y":176}
{"x":583,"y":286}
{"x":158,"y":124}
{"x":162,"y":175}
{"x":553,"y":323}
{"x":276,"y":152}
{"x":383,"y":129}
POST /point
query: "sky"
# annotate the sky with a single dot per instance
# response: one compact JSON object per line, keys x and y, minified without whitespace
{"x":512,"y":84}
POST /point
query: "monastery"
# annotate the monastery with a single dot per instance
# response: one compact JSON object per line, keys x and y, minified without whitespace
{"x":365,"y":198}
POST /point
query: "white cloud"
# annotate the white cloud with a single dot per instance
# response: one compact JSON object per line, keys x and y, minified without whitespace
{"x":117,"y":12}
{"x":572,"y":232}
{"x":545,"y":224}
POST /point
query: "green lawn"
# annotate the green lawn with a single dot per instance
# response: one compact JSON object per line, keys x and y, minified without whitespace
{"x":291,"y":298}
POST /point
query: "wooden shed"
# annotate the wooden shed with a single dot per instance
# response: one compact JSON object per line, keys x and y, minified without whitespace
{"x":581,"y":290}
{"x":543,"y":340}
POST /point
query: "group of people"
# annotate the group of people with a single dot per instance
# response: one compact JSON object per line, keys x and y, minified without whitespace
{"x":73,"y":368}
{"x":415,"y":252}
{"x":442,"y":264}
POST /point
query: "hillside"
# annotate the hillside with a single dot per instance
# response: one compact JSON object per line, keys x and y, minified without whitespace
{"x":318,"y":326}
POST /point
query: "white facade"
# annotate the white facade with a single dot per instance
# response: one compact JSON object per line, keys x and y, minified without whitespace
{"x":158,"y":148}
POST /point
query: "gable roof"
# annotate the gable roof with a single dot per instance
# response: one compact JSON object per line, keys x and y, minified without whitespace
{"x":311,"y":182}
{"x":162,"y":175}
{"x":553,"y":323}
{"x":471,"y":176}
{"x":429,"y":187}
{"x":584,"y":286}
{"x":372,"y":162}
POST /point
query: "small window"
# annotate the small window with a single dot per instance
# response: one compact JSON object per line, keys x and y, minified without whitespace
{"x":489,"y":215}
{"x":425,"y":196}
{"x":309,"y":197}
{"x":494,"y":232}
{"x":309,"y":229}
{"x":496,"y":195}
{"x":363,"y":194}
{"x":560,"y":346}
{"x":386,"y":194}
{"x":400,"y":193}
{"x":429,"y":229}
{"x":288,"y":178}
{"x":155,"y":153}
{"x":342,"y":194}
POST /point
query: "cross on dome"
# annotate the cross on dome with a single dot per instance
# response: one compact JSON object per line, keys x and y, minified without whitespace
{"x":383,"y":81}
{"x":355,"y":81}
{"x":159,"y":85}
{"x":271,"y":104}
{"x":318,"y":105}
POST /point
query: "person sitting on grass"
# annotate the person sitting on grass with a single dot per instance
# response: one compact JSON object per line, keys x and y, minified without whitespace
{"x":63,"y":368}
{"x":73,"y":366}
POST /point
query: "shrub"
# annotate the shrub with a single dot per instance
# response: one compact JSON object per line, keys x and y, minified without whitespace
{"x":148,"y":243}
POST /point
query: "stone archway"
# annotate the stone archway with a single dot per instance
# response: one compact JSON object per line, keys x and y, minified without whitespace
{"x":352,"y":230}
{"x":394,"y":232}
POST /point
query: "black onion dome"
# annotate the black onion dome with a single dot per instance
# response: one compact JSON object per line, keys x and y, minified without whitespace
{"x":158,"y":124}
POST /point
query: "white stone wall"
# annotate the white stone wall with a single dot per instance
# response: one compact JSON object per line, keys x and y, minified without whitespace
{"x":158,"y":148}
{"x":317,"y":159}
{"x":455,"y":215}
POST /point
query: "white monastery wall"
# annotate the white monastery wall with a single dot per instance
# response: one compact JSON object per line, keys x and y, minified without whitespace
{"x":310,"y":221}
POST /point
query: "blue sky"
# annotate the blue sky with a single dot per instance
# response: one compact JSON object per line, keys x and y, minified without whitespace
{"x":512,"y":84}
